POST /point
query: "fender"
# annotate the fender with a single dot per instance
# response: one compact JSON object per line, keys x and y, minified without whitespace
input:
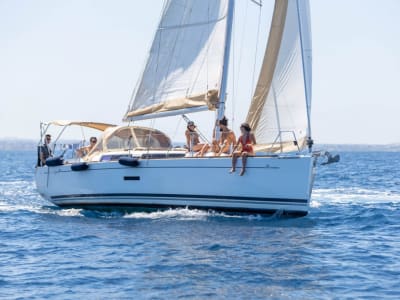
{"x":81,"y":166}
{"x":129,"y":161}
{"x":54,"y":161}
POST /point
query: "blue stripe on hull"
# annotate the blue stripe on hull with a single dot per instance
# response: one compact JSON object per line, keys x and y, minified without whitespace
{"x":116,"y":200}
{"x":181,"y":197}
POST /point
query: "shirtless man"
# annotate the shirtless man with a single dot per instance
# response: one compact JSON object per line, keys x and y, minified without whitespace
{"x":226,"y":140}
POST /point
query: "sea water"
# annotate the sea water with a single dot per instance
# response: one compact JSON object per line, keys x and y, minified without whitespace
{"x":347,"y":247}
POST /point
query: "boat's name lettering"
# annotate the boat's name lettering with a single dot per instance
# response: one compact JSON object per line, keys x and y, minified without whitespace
{"x":271,"y":167}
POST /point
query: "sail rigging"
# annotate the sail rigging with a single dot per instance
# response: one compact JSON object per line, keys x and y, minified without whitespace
{"x":184,"y":68}
{"x":279,"y":112}
{"x":187,"y":70}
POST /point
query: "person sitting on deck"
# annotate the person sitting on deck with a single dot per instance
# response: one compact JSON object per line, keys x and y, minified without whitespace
{"x":192,"y":138}
{"x":226,"y":140}
{"x":83,"y":151}
{"x":245,"y":142}
{"x":44,"y":151}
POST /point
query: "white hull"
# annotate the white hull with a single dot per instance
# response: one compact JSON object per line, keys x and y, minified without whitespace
{"x":270,"y":184}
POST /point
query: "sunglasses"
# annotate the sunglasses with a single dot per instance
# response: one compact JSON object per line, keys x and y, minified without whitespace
{"x":93,"y":141}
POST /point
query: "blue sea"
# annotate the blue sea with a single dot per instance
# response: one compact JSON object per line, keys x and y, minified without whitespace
{"x":347,"y":247}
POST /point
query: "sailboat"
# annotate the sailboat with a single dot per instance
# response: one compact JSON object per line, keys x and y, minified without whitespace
{"x":186,"y":73}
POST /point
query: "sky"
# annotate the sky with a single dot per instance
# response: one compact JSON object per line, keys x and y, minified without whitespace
{"x":81,"y":59}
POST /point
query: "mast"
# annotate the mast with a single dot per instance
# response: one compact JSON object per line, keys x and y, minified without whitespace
{"x":305,"y":54}
{"x":224,"y":80}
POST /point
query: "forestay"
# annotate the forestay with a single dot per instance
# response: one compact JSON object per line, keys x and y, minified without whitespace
{"x":184,"y":67}
{"x":279,"y":112}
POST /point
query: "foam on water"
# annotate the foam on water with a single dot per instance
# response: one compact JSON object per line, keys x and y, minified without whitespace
{"x":176,"y":213}
{"x":32,"y":202}
{"x":354,"y":195}
{"x":188,"y":214}
{"x":37,"y":209}
{"x":22,"y":196}
{"x":181,"y":214}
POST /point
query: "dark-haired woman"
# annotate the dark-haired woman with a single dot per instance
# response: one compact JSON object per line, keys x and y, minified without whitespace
{"x":192,"y":138}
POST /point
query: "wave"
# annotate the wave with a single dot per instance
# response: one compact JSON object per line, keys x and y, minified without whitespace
{"x":38,"y":209}
{"x":180,"y":213}
{"x":185,"y":214}
{"x":20,"y":196}
{"x":354,"y":195}
{"x":188,"y":214}
{"x":172,"y":213}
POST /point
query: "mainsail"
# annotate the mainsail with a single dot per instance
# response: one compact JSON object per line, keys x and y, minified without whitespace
{"x":280,"y":108}
{"x":184,"y":68}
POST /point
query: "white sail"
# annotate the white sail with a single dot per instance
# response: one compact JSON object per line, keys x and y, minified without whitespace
{"x":279,"y":113}
{"x":184,"y":68}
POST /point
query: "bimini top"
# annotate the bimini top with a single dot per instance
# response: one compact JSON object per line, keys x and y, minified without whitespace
{"x":94,"y":125}
{"x":124,"y":138}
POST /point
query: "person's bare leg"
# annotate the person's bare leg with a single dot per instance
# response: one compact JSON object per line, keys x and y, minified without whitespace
{"x":244,"y":161}
{"x":234,"y":159}
{"x":204,"y":150}
{"x":215,"y":147}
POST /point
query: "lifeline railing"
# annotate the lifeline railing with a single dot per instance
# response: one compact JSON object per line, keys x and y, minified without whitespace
{"x":278,"y":140}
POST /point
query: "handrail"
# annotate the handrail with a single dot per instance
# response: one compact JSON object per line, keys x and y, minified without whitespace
{"x":279,"y":136}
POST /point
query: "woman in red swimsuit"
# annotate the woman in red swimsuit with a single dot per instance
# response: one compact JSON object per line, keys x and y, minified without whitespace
{"x":246,"y":142}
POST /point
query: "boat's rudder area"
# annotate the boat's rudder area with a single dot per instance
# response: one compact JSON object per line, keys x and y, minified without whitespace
{"x":129,"y":161}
